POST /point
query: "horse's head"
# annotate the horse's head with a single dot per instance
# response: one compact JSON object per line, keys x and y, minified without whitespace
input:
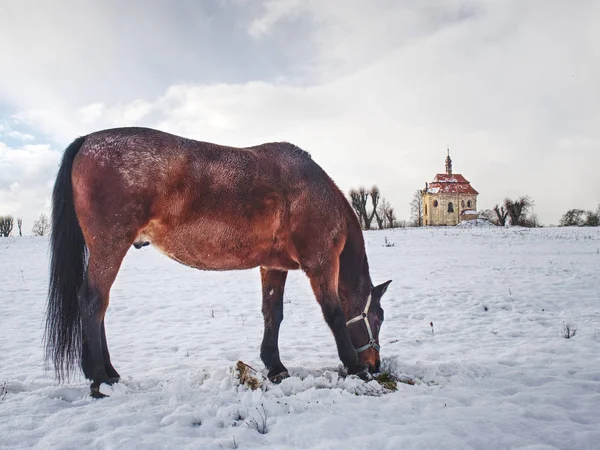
{"x":364,"y":328}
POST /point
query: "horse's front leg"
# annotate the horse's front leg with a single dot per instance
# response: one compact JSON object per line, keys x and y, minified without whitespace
{"x":323,"y":280}
{"x":273,"y":283}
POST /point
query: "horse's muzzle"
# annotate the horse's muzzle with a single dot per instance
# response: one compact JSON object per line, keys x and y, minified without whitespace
{"x":375,"y":367}
{"x":371,"y":358}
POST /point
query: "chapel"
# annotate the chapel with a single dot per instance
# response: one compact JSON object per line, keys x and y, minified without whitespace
{"x":448,"y":199}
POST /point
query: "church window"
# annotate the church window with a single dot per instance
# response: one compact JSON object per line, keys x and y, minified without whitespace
{"x":435,"y":203}
{"x":450,"y":207}
{"x":469,"y":203}
{"x":425,"y":209}
{"x":462,"y":203}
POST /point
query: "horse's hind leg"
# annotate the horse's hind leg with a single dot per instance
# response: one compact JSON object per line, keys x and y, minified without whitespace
{"x":110,"y":370}
{"x":93,"y":297}
{"x":324,"y":281}
{"x":273,"y":283}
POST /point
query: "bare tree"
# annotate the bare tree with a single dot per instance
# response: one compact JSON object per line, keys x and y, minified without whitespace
{"x":378,"y":202}
{"x":532,"y":221}
{"x":6,"y":225}
{"x":592,"y":219}
{"x":416,"y":209}
{"x":518,"y":209}
{"x":572,"y":218}
{"x":501,"y":215}
{"x":580,"y":218}
{"x":390,"y":216}
{"x":375,"y":197}
{"x":387,"y":214}
{"x":41,"y":227}
{"x":20,"y":225}
{"x":359,"y":199}
{"x":380,"y":218}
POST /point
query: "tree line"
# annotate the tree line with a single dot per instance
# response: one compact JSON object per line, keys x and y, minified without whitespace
{"x":518,"y":212}
{"x":41,"y":226}
{"x":580,"y":218}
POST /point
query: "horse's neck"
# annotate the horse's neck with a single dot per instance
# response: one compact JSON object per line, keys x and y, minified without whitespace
{"x":354,"y":282}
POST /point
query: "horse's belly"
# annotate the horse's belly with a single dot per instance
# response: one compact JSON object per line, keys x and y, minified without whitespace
{"x":220,"y":248}
{"x":207,"y":260}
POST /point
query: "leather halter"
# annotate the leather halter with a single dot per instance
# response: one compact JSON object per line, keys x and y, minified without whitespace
{"x":363,"y":316}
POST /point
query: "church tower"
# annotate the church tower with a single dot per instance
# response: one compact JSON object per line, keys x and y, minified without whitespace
{"x":448,"y":164}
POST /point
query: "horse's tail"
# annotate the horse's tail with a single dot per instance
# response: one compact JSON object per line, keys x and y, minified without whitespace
{"x":68,"y":254}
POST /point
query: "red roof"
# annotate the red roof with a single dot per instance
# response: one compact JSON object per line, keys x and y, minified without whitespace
{"x":451,"y":184}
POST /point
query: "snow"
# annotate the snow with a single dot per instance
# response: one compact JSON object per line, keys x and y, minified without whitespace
{"x":479,"y":222}
{"x":497,"y":373}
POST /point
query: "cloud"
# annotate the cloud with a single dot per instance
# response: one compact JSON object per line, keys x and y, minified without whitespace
{"x":92,"y":113}
{"x":78,"y":53}
{"x":20,"y":136}
{"x":26,"y":177}
{"x":273,"y":13}
{"x":8,"y":132}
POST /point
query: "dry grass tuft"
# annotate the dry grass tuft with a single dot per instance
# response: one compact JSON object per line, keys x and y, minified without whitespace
{"x":247,"y":375}
{"x":387,"y":380}
{"x":390,"y":381}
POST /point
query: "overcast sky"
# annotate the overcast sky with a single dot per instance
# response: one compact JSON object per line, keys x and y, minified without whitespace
{"x":375,"y":90}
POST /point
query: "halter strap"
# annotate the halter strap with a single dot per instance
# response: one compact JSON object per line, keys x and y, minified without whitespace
{"x":363,"y":317}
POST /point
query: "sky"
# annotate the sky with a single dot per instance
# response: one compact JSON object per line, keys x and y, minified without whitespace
{"x":376,"y":91}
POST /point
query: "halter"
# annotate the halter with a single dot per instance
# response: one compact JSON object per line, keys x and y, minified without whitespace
{"x":363,"y":316}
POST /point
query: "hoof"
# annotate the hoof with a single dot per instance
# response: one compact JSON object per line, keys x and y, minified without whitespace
{"x":95,"y":391}
{"x":95,"y":387}
{"x":279,"y":377}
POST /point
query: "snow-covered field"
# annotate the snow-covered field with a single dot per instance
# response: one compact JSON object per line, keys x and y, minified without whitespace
{"x":497,"y":374}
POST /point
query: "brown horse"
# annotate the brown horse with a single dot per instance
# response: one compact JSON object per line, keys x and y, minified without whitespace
{"x":211,"y":207}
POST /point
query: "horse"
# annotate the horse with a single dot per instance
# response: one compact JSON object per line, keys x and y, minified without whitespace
{"x":211,"y":207}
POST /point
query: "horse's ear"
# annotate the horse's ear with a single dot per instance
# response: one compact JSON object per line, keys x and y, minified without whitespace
{"x":378,"y":291}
